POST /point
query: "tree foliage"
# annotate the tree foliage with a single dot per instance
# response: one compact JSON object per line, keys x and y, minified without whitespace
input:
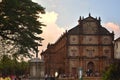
{"x":10,"y":66}
{"x":113,"y":72}
{"x":19,"y":26}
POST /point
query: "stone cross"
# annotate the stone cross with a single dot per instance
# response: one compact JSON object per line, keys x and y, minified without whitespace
{"x":37,"y":52}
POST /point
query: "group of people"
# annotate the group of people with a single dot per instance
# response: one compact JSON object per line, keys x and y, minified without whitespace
{"x":9,"y":78}
{"x":5,"y":78}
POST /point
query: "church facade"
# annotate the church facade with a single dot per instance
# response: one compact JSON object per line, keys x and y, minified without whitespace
{"x":117,"y":48}
{"x":88,"y":46}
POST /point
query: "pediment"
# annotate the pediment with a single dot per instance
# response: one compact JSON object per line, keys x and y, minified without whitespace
{"x":90,"y":18}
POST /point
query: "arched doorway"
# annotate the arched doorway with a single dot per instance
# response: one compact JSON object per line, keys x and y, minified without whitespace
{"x":90,"y":69}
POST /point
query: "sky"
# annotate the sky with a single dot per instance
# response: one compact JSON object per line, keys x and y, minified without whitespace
{"x":62,"y":15}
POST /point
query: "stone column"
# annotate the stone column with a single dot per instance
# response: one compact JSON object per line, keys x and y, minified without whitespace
{"x":36,"y":69}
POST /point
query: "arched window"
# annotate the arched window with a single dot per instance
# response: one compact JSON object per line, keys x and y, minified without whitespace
{"x":90,"y":69}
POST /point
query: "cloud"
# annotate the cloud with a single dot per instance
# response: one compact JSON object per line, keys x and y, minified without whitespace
{"x":113,"y":27}
{"x":49,"y":17}
{"x":51,"y":32}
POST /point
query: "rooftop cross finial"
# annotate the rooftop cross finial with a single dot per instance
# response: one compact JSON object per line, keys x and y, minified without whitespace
{"x":99,"y":19}
{"x":89,"y":15}
{"x":80,"y":18}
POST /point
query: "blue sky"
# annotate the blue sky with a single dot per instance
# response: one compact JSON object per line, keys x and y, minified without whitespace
{"x":70,"y":10}
{"x":63,"y":15}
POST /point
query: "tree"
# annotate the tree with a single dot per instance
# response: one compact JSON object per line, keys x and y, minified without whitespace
{"x":112,"y":72}
{"x":6,"y":65}
{"x":19,"y":26}
{"x":10,"y":66}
